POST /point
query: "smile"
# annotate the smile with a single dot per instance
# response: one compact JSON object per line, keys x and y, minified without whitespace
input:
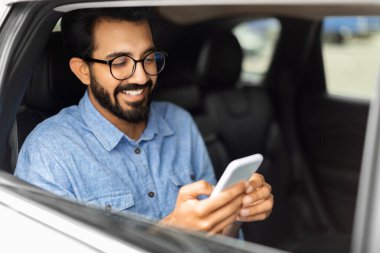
{"x":133,"y":92}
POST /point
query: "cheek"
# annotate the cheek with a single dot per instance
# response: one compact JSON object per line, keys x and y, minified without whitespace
{"x":106,"y":80}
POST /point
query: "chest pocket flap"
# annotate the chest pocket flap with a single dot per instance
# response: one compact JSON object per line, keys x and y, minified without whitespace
{"x":181,"y":178}
{"x":113,"y":202}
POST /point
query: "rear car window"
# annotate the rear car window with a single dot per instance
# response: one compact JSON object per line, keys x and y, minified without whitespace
{"x":351,"y":55}
{"x":258,"y":39}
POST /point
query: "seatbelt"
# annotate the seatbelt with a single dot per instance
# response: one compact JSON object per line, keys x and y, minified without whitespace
{"x":13,"y":143}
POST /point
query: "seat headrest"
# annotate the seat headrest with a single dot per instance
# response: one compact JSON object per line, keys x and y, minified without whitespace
{"x":220,"y":61}
{"x":53,"y":85}
{"x":179,"y":82}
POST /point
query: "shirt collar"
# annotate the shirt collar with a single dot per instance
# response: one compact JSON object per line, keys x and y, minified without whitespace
{"x":156,"y":125}
{"x":109,"y":135}
{"x":103,"y":130}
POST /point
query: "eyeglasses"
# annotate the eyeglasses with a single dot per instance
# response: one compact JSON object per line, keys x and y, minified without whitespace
{"x":122,"y":67}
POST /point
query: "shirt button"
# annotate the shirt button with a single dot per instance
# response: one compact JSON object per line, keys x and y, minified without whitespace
{"x":192,"y":177}
{"x":137,"y":151}
{"x":151,"y":194}
{"x":108,"y":208}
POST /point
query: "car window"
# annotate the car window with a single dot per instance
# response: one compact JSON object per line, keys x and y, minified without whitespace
{"x":351,"y":50}
{"x":258,"y":39}
{"x":57,"y":27}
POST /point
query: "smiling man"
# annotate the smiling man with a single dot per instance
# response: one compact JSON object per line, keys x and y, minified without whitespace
{"x":120,"y":151}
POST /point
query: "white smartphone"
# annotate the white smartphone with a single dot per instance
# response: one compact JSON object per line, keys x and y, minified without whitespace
{"x":237,"y":170}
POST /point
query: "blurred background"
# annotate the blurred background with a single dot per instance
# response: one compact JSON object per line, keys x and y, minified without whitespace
{"x":351,"y":52}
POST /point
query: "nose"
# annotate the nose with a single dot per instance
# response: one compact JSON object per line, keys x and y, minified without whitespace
{"x":139,"y":76}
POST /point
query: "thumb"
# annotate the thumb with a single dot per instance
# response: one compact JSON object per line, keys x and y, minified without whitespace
{"x":194,"y":190}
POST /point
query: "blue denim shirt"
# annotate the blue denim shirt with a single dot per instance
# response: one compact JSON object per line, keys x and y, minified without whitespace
{"x":80,"y":155}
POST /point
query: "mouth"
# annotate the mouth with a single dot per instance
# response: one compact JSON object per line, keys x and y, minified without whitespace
{"x":133,"y":92}
{"x":132,"y":96}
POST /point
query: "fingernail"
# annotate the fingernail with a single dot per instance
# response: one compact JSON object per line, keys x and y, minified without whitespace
{"x":244,"y":212}
{"x":247,"y":200}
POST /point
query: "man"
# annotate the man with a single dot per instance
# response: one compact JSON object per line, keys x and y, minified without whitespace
{"x":119,"y":151}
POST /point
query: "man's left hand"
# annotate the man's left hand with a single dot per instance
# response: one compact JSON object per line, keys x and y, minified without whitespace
{"x":258,"y":201}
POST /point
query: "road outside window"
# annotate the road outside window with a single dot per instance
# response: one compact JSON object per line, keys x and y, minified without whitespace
{"x":258,"y":39}
{"x":351,"y":52}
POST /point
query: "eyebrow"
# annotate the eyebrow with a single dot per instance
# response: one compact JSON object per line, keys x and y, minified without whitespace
{"x":116,"y":54}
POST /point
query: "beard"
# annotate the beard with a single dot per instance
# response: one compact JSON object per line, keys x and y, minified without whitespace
{"x":139,"y":110}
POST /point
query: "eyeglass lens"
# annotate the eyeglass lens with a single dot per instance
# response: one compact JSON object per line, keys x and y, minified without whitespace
{"x":123,"y":67}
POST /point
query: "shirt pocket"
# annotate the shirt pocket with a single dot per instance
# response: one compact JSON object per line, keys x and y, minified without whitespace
{"x":113,"y":202}
{"x":181,"y":177}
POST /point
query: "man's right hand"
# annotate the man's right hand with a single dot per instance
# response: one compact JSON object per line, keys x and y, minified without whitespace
{"x":210,"y":215}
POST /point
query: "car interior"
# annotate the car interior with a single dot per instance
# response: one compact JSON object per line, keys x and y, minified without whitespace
{"x":311,"y":141}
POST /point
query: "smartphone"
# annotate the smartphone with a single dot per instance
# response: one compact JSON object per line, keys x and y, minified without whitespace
{"x":237,"y":170}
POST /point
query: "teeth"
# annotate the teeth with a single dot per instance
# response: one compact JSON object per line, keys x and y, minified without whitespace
{"x":133,"y":92}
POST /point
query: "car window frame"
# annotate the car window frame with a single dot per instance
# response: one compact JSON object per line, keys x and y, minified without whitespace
{"x":366,"y":229}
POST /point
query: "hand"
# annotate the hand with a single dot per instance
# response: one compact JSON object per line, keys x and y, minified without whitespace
{"x":210,"y":215}
{"x":258,"y":200}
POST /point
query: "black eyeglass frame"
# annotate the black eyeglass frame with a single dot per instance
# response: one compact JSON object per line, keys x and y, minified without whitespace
{"x":109,"y":63}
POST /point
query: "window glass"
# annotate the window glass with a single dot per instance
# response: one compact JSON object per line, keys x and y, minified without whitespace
{"x":258,"y":39}
{"x":57,"y":27}
{"x":351,"y":52}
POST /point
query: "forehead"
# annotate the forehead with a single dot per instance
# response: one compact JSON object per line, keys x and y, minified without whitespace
{"x":112,"y":36}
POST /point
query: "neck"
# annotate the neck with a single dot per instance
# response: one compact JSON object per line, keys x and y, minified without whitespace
{"x":132,"y":130}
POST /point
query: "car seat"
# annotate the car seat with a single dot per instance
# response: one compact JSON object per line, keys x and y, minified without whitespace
{"x":53,"y":86}
{"x":245,"y":121}
{"x":242,"y":114}
{"x":179,"y":83}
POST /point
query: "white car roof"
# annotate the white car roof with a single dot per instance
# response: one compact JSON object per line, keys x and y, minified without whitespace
{"x":187,"y":11}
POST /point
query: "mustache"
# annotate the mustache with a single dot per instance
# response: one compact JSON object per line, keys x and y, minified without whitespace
{"x":133,"y":86}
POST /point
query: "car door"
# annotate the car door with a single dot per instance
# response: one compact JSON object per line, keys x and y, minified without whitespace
{"x":333,"y":118}
{"x":323,"y":132}
{"x":326,"y":130}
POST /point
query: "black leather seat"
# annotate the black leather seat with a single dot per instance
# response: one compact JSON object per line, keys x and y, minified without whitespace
{"x":242,"y":114}
{"x":243,"y":117}
{"x":180,"y":83}
{"x":52,"y":87}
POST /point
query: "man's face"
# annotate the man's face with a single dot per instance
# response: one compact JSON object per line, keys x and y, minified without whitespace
{"x":129,"y":99}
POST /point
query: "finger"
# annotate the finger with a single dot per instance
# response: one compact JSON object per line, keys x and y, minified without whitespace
{"x":224,"y":216}
{"x":212,"y":220}
{"x":209,"y":205}
{"x":257,"y":217}
{"x":221,"y":215}
{"x":259,"y":194}
{"x":226,"y":222}
{"x":256,"y":181}
{"x":193,"y":190}
{"x":264,"y":207}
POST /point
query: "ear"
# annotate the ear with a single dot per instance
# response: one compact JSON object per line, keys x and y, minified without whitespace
{"x":80,"y":68}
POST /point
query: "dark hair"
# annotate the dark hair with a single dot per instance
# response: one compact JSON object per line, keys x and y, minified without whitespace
{"x":77,"y":26}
